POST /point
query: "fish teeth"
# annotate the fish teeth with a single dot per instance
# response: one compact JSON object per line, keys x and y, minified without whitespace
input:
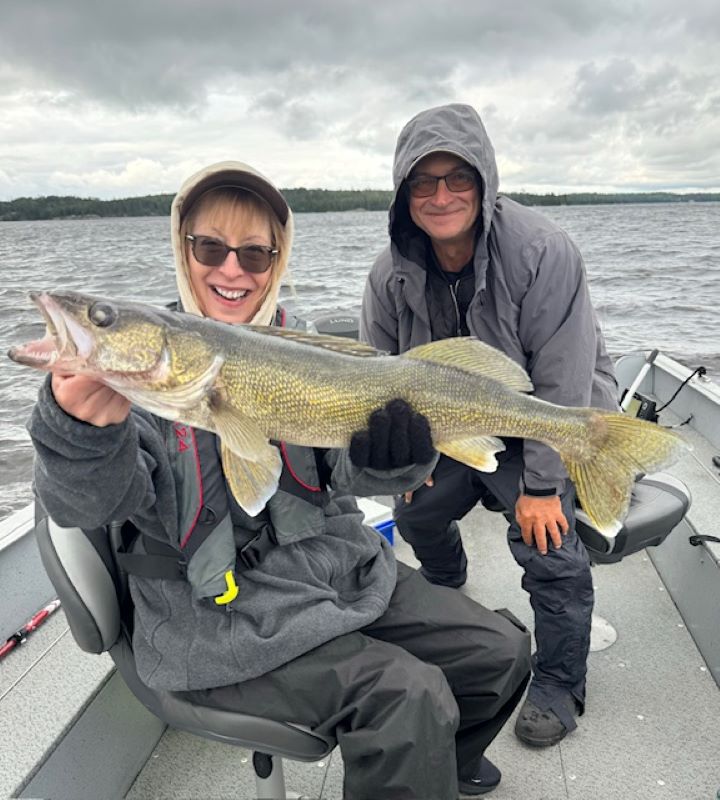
{"x":236,"y":294}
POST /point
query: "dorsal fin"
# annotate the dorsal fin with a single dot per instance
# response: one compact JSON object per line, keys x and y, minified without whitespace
{"x":338,"y":344}
{"x":472,"y":355}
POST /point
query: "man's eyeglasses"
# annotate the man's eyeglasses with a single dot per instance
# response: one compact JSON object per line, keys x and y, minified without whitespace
{"x":212,"y":252}
{"x":459,"y":180}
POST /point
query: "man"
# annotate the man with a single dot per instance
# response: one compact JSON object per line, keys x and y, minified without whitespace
{"x":464,"y":260}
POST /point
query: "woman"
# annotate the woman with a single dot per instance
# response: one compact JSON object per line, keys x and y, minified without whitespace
{"x":326,"y":630}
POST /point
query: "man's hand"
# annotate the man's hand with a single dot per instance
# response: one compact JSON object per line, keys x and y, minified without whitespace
{"x":89,"y":400}
{"x":539,"y":517}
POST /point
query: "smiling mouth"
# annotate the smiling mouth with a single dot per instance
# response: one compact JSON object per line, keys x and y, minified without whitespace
{"x":446,"y":213}
{"x":230,"y":294}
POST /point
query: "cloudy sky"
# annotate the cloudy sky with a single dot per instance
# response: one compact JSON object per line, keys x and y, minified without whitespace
{"x":115,"y":99}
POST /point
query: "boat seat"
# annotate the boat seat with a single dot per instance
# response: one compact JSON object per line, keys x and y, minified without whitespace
{"x":657,"y":505}
{"x":96,"y":601}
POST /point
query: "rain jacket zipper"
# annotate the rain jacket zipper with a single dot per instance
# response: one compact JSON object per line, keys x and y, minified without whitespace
{"x":453,"y":293}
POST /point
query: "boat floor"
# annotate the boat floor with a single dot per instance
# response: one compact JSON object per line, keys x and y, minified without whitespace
{"x":650,"y":728}
{"x":649,"y":731}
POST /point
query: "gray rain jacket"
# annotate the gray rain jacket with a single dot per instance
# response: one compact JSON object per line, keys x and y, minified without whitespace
{"x":531,"y":296}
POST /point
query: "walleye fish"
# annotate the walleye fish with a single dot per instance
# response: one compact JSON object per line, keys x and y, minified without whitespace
{"x":250,"y":384}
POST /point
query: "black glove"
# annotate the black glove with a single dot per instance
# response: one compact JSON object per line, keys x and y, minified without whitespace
{"x":396,"y":436}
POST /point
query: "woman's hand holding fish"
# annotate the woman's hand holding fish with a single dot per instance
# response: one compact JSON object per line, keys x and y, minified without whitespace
{"x":89,"y":400}
{"x":539,"y":517}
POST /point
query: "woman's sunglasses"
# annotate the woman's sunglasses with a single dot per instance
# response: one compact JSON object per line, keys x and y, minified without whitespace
{"x":212,"y":253}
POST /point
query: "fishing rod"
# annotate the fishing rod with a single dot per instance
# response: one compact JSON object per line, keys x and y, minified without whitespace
{"x":34,"y":622}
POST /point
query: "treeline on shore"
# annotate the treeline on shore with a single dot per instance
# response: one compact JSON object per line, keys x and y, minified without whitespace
{"x":302,"y":200}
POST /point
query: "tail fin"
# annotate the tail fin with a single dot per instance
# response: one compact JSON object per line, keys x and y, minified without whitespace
{"x":622,"y":448}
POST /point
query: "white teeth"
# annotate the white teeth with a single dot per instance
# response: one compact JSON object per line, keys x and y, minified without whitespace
{"x":228,"y":295}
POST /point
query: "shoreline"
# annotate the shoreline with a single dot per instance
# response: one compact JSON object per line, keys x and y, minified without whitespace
{"x":26,"y":209}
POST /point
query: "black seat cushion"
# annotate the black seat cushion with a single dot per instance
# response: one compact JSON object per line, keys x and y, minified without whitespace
{"x":657,"y":505}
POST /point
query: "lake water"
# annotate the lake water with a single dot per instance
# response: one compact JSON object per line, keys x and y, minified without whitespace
{"x":654,"y":276}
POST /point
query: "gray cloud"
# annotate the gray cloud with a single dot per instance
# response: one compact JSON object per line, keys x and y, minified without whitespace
{"x":138,"y":54}
{"x":615,"y":87}
{"x":118,"y":98}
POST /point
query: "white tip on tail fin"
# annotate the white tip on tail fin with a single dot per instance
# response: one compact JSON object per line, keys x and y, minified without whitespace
{"x":477,"y":452}
{"x":609,"y":532}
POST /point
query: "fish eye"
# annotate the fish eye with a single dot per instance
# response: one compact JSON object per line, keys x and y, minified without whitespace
{"x":102,"y":314}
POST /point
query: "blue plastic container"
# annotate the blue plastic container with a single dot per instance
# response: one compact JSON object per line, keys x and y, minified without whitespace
{"x":386,"y":529}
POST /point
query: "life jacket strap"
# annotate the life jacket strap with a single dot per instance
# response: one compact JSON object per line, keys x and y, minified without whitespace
{"x":144,"y":566}
{"x":160,"y":560}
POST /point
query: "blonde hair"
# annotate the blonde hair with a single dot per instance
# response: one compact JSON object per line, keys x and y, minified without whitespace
{"x":222,"y":207}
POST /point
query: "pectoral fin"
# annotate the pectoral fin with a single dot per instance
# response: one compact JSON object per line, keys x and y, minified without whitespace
{"x":252,"y":483}
{"x":239,"y":433}
{"x":252,"y":466}
{"x":477,"y":452}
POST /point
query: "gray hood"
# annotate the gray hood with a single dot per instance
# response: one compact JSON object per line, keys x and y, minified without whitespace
{"x":456,"y":129}
{"x":230,"y":173}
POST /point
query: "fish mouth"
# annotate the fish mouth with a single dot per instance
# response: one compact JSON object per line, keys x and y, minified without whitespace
{"x":65,"y":344}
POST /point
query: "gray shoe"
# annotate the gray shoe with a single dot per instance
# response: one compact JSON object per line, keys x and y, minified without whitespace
{"x":539,"y":728}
